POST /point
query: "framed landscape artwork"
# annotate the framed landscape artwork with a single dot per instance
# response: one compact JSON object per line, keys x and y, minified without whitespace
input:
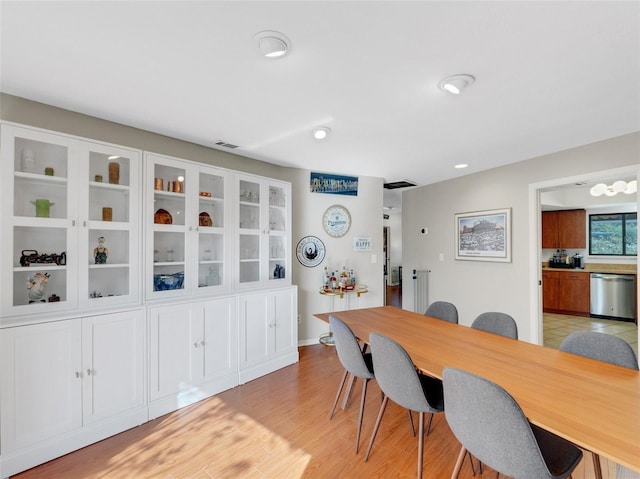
{"x":333,"y":184}
{"x":484,"y":235}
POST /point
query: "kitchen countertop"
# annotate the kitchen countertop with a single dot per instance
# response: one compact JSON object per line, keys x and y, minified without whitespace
{"x":596,"y":268}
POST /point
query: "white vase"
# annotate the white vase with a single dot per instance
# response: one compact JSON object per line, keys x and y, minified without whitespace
{"x":28,"y":161}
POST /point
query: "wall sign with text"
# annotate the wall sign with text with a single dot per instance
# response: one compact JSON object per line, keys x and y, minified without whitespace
{"x":361,"y":243}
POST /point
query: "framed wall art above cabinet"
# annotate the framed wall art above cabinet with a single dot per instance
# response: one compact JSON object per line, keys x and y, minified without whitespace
{"x":71,"y":223}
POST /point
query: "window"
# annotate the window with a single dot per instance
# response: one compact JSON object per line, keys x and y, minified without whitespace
{"x":613,"y":234}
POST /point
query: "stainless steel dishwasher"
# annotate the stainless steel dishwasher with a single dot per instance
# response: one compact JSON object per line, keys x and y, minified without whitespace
{"x":613,"y":296}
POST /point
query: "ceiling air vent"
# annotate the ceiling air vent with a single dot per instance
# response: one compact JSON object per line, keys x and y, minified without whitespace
{"x":226,"y":145}
{"x":394,"y":185}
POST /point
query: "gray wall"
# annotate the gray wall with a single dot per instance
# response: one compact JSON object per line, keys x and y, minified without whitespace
{"x":366,"y":221}
{"x":20,"y":110}
{"x":486,"y":286}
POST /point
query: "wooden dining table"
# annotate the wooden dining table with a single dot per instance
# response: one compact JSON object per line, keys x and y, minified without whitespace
{"x":593,"y":404}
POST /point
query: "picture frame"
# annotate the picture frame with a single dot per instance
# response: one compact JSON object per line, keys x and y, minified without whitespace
{"x":484,"y":235}
{"x":333,"y":184}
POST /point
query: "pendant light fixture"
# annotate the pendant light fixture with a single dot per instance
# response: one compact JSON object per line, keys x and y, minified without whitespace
{"x":619,"y":186}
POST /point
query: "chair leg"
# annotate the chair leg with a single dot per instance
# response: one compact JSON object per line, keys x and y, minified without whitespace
{"x":364,"y":394}
{"x":348,"y":392}
{"x":459,"y":461}
{"x":429,"y":423}
{"x":344,"y":378}
{"x":473,"y":469}
{"x":420,"y":442}
{"x":413,"y":429}
{"x":377,"y":425}
{"x":596,"y":466}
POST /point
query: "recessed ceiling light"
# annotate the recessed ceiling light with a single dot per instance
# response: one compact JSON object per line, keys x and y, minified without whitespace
{"x":113,"y":157}
{"x":460,"y":166}
{"x":321,"y":132}
{"x":456,"y":83}
{"x":272,"y":44}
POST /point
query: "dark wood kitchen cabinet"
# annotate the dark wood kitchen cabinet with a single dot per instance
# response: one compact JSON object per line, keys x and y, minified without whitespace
{"x":550,"y":229}
{"x":574,"y":293}
{"x":564,"y":229}
{"x":550,"y":290}
{"x":565,"y":292}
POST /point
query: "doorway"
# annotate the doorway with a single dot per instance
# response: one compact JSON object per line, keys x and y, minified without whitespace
{"x":564,"y":188}
{"x":392,"y":274}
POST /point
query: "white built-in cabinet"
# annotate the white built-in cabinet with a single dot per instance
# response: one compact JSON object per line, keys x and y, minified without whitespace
{"x":68,"y":383}
{"x":59,"y":203}
{"x":264,"y":232}
{"x":192,"y":351}
{"x":188,"y":232}
{"x":268,"y":332}
{"x":127,"y":293}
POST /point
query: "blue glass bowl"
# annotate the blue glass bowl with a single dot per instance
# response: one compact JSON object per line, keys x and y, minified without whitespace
{"x":164,"y":282}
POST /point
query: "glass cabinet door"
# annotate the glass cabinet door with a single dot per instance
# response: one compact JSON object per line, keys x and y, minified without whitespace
{"x":167,"y":228}
{"x":187,"y":240}
{"x":278,"y":233}
{"x":250,"y":235}
{"x":111,"y":230}
{"x":211,"y":231}
{"x":264,"y":217}
{"x":72,"y":213}
{"x":38,"y":239}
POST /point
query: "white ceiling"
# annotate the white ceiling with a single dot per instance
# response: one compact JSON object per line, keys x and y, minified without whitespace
{"x":550,"y":76}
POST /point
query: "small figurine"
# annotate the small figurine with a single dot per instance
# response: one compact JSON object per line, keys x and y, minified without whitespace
{"x":36,"y":286}
{"x":100,"y":253}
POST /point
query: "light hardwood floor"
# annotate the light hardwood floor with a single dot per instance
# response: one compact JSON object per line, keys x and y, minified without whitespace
{"x":274,"y":427}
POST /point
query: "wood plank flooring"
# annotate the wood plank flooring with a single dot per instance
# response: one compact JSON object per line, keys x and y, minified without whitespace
{"x":274,"y":427}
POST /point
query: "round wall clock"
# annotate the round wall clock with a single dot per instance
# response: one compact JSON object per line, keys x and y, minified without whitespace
{"x":336,"y":221}
{"x":310,"y":251}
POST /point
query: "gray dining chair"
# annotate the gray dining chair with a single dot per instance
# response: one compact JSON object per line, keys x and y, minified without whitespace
{"x":490,"y":424}
{"x":399,"y":381}
{"x":443,"y":310}
{"x":497,"y":323}
{"x":601,"y":347}
{"x":355,"y":362}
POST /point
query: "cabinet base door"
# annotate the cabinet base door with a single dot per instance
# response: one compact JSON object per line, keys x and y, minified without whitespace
{"x":171,"y":349}
{"x":268,"y":332}
{"x":220,"y":358}
{"x":41,"y":383}
{"x":113,"y":357}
